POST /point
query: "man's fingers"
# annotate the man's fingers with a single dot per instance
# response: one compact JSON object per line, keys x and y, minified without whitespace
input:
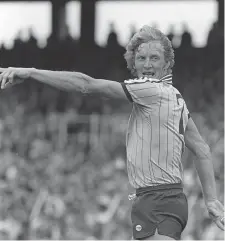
{"x":4,"y":80}
{"x":7,"y":85}
{"x":220,"y":224}
{"x":7,"y":77}
{"x":11,"y":77}
{"x":216,"y":213}
{"x":11,"y":81}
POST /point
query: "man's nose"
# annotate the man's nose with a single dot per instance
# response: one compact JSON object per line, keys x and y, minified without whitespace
{"x":148,"y":63}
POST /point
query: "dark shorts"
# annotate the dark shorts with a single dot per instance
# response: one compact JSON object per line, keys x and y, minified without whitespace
{"x":163,"y":207}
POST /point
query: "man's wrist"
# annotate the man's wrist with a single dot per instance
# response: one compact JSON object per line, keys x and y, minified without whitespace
{"x":211,"y":200}
{"x":31,"y":72}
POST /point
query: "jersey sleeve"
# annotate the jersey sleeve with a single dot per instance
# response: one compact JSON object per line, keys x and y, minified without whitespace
{"x":141,"y":93}
{"x":186,"y":115}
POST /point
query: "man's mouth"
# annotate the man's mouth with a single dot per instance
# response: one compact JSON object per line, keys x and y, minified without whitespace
{"x":148,"y":74}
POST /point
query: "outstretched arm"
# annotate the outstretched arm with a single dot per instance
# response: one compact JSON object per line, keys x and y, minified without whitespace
{"x":204,"y":167}
{"x":68,"y":81}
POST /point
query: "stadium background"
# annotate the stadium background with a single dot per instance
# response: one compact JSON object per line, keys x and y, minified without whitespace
{"x":63,"y":170}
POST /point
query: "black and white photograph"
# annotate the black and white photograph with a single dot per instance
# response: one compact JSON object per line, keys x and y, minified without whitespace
{"x":112,"y":120}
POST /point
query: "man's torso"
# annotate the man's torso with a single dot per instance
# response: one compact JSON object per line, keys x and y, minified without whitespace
{"x":155,"y":135}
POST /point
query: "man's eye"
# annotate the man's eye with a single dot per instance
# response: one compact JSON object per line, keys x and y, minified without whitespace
{"x":155,"y":58}
{"x":141,"y":57}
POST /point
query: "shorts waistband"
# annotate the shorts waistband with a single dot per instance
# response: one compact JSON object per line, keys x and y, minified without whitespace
{"x":159,"y":187}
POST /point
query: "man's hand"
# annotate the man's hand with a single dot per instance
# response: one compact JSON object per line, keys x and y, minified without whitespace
{"x":11,"y":76}
{"x":216,"y":212}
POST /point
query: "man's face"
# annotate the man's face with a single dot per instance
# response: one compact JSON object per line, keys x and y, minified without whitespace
{"x":150,"y":60}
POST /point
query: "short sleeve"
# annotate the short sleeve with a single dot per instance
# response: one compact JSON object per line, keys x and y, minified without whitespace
{"x":186,"y":115}
{"x":141,"y":93}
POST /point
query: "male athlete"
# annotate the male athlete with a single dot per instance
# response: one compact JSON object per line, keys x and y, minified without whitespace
{"x":159,"y":128}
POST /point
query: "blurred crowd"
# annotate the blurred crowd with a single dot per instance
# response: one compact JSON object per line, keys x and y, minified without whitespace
{"x":63,"y":164}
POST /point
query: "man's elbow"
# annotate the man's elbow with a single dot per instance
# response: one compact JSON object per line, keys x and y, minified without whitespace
{"x":85,"y":89}
{"x":81,"y":83}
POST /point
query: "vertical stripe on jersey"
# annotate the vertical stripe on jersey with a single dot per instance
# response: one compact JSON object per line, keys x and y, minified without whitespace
{"x":132,"y":166}
{"x":142,"y":161}
{"x":149,"y":150}
{"x":159,"y":130}
{"x":167,"y":130}
{"x":135,"y":153}
{"x":173,"y":135}
{"x":153,"y":175}
{"x":181,"y":128}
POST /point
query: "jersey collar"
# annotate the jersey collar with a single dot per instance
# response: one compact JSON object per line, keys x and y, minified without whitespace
{"x":166,"y":79}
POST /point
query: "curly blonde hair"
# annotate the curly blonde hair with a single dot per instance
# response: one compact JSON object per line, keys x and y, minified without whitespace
{"x":144,"y":35}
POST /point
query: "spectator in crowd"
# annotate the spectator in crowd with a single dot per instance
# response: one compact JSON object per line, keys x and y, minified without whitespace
{"x":186,"y":38}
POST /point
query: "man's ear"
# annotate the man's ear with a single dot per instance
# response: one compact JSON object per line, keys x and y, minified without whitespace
{"x":166,"y":67}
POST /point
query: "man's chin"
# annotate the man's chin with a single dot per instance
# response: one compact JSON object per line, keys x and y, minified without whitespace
{"x":148,"y":76}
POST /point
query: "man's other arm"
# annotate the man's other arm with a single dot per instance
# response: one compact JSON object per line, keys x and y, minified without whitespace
{"x":204,"y":167}
{"x":203,"y":162}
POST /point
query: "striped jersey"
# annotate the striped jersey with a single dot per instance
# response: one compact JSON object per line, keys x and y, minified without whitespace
{"x":155,"y":134}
